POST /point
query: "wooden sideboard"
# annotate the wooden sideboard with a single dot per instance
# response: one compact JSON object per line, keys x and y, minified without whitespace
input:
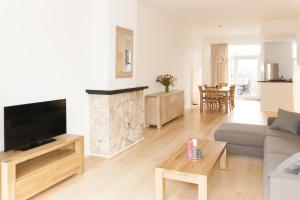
{"x":26,"y":173}
{"x":161,"y":108}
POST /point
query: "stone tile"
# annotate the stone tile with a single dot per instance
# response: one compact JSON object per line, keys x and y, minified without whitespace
{"x":116,"y":121}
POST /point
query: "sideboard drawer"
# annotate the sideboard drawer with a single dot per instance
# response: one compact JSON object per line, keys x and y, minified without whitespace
{"x":172,"y":109}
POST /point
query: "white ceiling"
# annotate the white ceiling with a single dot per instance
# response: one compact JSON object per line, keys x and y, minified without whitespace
{"x":237,"y":14}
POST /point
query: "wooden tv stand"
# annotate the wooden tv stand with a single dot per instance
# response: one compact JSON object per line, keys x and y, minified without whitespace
{"x":27,"y":173}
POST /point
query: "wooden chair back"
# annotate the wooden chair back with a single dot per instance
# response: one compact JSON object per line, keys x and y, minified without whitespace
{"x":209,"y":87}
{"x":200,"y":88}
{"x":212,"y":93}
{"x":232,"y":96}
{"x":202,"y":92}
{"x":222,"y":84}
{"x":232,"y":91}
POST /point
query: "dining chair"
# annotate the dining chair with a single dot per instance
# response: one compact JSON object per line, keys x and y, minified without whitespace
{"x":203,"y":94}
{"x":212,"y":99}
{"x":232,"y":97}
{"x":220,"y":85}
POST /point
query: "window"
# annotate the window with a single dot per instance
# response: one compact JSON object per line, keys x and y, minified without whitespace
{"x":244,"y":61}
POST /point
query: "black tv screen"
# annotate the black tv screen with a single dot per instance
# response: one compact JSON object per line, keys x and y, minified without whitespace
{"x":29,"y":125}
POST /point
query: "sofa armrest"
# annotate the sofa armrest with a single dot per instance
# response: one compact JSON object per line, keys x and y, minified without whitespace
{"x":271,"y":120}
{"x":284,"y":186}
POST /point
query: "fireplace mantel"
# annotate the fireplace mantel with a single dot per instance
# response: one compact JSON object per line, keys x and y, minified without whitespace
{"x":116,"y":91}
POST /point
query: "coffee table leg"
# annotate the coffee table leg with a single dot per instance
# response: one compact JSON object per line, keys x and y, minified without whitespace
{"x":159,"y":184}
{"x":202,"y":188}
{"x":223,"y":160}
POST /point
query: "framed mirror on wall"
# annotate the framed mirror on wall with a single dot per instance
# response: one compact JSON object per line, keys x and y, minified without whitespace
{"x":124,"y":52}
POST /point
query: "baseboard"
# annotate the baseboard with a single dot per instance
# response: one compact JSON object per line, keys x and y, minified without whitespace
{"x":110,"y":156}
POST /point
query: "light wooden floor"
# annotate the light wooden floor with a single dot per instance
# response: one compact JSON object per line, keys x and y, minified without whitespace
{"x":130,"y":175}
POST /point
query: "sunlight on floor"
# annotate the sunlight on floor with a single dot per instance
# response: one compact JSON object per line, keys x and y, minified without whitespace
{"x":249,"y":112}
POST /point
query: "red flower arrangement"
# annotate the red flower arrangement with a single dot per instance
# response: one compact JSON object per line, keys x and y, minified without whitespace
{"x":166,"y":80}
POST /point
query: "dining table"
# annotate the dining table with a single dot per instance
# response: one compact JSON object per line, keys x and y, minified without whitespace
{"x":223,"y":91}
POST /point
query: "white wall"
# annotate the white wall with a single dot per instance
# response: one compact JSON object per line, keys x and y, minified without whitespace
{"x":106,"y":16}
{"x":281,"y":53}
{"x":166,"y":46}
{"x":97,"y":37}
{"x":279,"y":26}
{"x":45,"y":54}
{"x":189,"y":56}
{"x":125,"y":14}
{"x":154,"y":44}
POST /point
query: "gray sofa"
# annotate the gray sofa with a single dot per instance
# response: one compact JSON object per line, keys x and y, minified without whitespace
{"x":274,"y":146}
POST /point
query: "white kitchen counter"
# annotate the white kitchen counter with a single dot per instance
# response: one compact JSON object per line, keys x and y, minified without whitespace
{"x":276,"y":95}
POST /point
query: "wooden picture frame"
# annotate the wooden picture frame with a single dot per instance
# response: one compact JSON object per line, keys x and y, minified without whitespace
{"x":124,"y":52}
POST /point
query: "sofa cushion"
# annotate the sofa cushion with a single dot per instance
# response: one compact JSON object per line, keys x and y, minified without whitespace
{"x":277,"y":133}
{"x":245,"y":150}
{"x":241,"y":134}
{"x":271,"y":161}
{"x":291,"y":165}
{"x":288,"y":144}
{"x":287,"y":121}
{"x":271,"y":120}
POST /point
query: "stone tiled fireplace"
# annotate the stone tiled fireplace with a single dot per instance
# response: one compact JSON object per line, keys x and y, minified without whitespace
{"x":116,"y":120}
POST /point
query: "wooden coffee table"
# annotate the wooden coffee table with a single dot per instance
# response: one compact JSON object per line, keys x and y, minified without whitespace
{"x":180,"y":168}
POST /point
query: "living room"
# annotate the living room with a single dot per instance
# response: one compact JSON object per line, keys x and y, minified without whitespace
{"x":68,"y":50}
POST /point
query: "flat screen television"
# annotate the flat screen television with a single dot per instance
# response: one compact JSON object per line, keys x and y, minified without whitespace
{"x":31,"y":125}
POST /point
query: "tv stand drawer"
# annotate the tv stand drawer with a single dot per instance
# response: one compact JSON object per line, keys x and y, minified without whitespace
{"x":36,"y":182}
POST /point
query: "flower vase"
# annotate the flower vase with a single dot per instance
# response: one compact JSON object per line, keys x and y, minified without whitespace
{"x":167,"y":88}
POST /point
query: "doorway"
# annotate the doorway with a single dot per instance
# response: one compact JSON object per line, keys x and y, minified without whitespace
{"x":244,"y":63}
